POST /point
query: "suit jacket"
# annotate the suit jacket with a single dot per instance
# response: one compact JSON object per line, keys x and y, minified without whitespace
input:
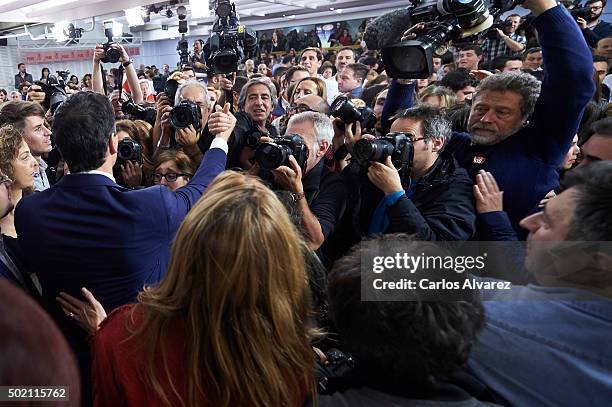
{"x":26,"y":78}
{"x":87,"y":231}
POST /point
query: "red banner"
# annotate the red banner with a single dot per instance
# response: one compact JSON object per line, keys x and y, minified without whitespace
{"x":67,"y":55}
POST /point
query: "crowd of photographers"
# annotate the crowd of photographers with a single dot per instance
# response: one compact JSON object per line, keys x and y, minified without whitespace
{"x":199,"y":238}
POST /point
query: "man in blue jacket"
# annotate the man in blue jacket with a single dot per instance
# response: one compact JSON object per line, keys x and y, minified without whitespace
{"x":87,"y":231}
{"x":518,"y":136}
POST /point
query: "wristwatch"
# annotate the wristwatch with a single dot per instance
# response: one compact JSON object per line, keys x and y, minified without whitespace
{"x":297,"y":197}
{"x":126,"y":63}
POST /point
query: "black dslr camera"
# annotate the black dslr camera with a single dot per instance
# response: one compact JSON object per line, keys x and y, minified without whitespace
{"x":229,"y":42}
{"x":111,"y":55}
{"x":129,"y":150}
{"x":185,"y":114}
{"x":577,"y":11}
{"x":344,"y":109}
{"x":395,"y":145}
{"x":270,"y":156}
{"x":148,"y":114}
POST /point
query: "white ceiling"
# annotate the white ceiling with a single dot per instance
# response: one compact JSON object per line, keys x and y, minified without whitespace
{"x":253,"y":11}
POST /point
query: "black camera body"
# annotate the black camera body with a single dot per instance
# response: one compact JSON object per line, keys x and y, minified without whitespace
{"x":251,"y":138}
{"x":183,"y":51}
{"x":148,"y":114}
{"x":111,"y":55}
{"x":395,"y":145}
{"x":451,"y":20}
{"x":129,"y":150}
{"x":581,"y":12}
{"x":55,"y":90}
{"x":502,"y":25}
{"x":344,"y":109}
{"x":185,"y":114}
{"x":229,"y":42}
{"x":270,"y":156}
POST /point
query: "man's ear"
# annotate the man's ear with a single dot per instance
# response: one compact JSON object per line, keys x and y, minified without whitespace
{"x":437,"y":143}
{"x":113,"y":143}
{"x":323,"y":147}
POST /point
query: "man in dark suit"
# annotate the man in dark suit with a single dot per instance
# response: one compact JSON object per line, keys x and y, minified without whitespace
{"x":22,"y":78}
{"x":87,"y":231}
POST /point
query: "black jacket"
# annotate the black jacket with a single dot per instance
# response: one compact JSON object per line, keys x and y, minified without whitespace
{"x":442,"y":207}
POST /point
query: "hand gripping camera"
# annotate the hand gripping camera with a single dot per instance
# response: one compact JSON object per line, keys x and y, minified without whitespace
{"x":395,"y":145}
{"x":129,"y":150}
{"x":346,"y":110}
{"x":270,"y":156}
{"x":111,"y":55}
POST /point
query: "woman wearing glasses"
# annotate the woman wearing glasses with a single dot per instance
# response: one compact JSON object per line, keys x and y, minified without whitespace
{"x":172,"y":168}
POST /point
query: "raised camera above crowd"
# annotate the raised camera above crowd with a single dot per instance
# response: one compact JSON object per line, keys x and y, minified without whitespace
{"x":408,"y":209}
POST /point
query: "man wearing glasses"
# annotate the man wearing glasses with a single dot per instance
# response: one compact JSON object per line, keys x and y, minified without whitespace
{"x":592,"y":27}
{"x":433,"y":200}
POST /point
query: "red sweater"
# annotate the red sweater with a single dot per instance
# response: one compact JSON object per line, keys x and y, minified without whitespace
{"x":116,"y":363}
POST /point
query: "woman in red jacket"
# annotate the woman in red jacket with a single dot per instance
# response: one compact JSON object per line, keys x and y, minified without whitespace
{"x":227,"y":325}
{"x":345,"y":38}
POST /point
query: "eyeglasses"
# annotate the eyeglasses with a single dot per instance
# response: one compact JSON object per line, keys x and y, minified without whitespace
{"x":595,"y":8}
{"x":411,"y":137}
{"x":170,"y":177}
{"x":301,"y":108}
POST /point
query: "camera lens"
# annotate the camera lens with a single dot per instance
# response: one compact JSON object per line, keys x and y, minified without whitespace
{"x":181,"y":117}
{"x":113,"y":55}
{"x":270,"y":156}
{"x":125,"y":152}
{"x":345,"y":110}
{"x":372,"y":150}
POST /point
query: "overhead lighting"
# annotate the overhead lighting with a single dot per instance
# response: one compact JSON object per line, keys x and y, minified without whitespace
{"x":59,"y":31}
{"x":292,"y":16}
{"x":117,"y":29}
{"x":199,"y":9}
{"x":51,"y":3}
{"x":134,"y":16}
{"x":181,"y":12}
{"x":331,"y":9}
{"x":339,"y":11}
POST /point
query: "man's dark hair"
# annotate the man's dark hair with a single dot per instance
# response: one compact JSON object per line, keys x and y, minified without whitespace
{"x":348,"y":49}
{"x":360,"y":71}
{"x":287,"y":59}
{"x":15,"y":113}
{"x":19,"y":65}
{"x":592,"y":220}
{"x":513,"y":15}
{"x":396,"y":343}
{"x":471,"y":47}
{"x":432,"y":119}
{"x":499,"y":63}
{"x":599,"y":58}
{"x":458,"y":79}
{"x":82,"y":127}
{"x":316,"y":50}
{"x":291,"y":71}
{"x":369,"y":61}
{"x":595,"y":1}
{"x":280,"y":71}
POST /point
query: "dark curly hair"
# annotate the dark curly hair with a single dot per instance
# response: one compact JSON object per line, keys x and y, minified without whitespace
{"x":10,"y":142}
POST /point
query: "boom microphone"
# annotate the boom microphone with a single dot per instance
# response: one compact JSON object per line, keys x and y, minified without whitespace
{"x":387,"y":29}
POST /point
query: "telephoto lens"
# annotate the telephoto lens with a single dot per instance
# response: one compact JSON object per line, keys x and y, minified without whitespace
{"x":270,"y":156}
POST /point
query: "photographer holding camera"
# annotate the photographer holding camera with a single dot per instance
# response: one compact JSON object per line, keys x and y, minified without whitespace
{"x":319,"y":193}
{"x":113,"y":53}
{"x":589,"y":21}
{"x":519,"y":129}
{"x":198,"y":59}
{"x":405,"y":182}
{"x":504,"y":41}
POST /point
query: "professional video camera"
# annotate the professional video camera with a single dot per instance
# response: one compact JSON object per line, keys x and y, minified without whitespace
{"x":229,"y":42}
{"x":396,"y":145}
{"x":344,"y":109}
{"x":147,"y":114}
{"x":502,"y":25}
{"x":129,"y":150}
{"x":272,"y":155}
{"x":183,"y":45}
{"x":445,"y":20}
{"x":55,"y":90}
{"x":111,"y":55}
{"x":184,"y":114}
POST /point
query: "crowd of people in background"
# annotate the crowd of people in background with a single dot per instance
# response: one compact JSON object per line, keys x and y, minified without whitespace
{"x":200,"y":238}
